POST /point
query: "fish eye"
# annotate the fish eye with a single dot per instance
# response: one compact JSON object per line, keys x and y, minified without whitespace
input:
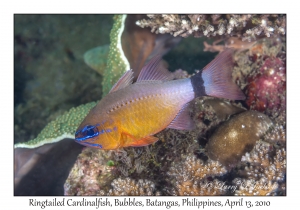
{"x":90,"y":132}
{"x":87,"y":132}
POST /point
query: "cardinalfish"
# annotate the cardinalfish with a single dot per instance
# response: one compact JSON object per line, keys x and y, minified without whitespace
{"x":132,"y":113}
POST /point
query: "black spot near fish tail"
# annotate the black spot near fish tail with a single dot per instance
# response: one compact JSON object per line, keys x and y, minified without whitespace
{"x":198,"y":85}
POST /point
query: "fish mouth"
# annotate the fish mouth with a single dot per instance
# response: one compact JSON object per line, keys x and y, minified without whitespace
{"x":88,"y":144}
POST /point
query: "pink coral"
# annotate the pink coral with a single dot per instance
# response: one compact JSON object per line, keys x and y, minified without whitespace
{"x":266,"y":90}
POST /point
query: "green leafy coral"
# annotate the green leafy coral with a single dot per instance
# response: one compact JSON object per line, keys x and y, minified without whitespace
{"x":65,"y":125}
{"x":117,"y":63}
{"x":62,"y":127}
{"x":96,"y":58}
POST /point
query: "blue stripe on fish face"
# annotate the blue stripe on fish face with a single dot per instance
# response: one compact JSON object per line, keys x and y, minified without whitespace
{"x":90,"y":131}
{"x":87,"y":132}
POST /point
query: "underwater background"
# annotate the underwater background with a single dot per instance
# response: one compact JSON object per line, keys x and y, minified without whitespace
{"x":51,"y":77}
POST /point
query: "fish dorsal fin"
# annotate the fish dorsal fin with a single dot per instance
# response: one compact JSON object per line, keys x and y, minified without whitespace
{"x":124,"y":81}
{"x":154,"y":70}
{"x":182,"y":121}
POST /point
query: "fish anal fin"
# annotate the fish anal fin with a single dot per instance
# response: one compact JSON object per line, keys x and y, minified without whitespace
{"x":124,"y":81}
{"x":154,"y":70}
{"x":133,"y":142}
{"x":182,"y":121}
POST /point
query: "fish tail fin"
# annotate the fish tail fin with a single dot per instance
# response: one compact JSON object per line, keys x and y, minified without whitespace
{"x":215,"y":79}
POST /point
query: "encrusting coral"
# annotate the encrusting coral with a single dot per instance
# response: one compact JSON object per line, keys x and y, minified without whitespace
{"x":95,"y":172}
{"x":237,"y":136}
{"x":246,"y":26}
{"x":223,"y":109}
{"x":91,"y":173}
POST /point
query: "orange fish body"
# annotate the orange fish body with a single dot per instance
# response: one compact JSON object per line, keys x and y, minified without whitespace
{"x":132,"y":113}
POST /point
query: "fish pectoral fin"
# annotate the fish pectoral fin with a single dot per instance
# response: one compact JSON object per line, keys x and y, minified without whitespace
{"x":144,"y":141}
{"x":133,"y":142}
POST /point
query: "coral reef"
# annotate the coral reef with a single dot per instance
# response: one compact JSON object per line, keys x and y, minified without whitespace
{"x":252,"y":187}
{"x":276,"y":135}
{"x":155,"y":163}
{"x":130,"y":187}
{"x":176,"y":165}
{"x":248,"y":27}
{"x":237,"y":136}
{"x":94,"y":173}
{"x":264,"y":163}
{"x":90,"y":173}
{"x":188,"y":162}
{"x":261,"y":72}
{"x":188,"y":177}
{"x":265,"y":169}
